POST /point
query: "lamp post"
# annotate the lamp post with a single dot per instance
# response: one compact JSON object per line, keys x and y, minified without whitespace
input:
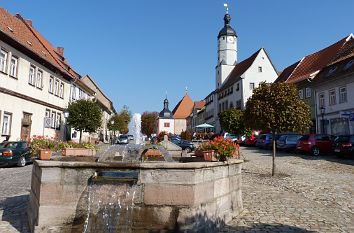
{"x":322,"y":109}
{"x":112,"y":137}
{"x":66,"y":115}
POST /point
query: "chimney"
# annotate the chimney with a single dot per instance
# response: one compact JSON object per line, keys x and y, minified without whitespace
{"x":60,"y":50}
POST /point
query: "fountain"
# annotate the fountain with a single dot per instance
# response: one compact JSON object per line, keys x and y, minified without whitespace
{"x":122,"y":192}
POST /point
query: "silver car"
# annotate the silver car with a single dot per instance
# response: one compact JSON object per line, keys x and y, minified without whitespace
{"x":123,"y":139}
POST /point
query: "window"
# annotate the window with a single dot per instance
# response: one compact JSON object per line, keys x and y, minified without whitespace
{"x":342,"y":95}
{"x":237,"y":87}
{"x":166,"y":124}
{"x":6,"y":124}
{"x":260,"y":69}
{"x":53,"y":120}
{"x":57,"y":121}
{"x":47,"y":119}
{"x":308,"y":92}
{"x":332,"y":97}
{"x":39,"y":80}
{"x":81,"y":93}
{"x":61,"y":90}
{"x":13,"y":66}
{"x":73,"y":92}
{"x":238,"y":104}
{"x":301,"y":94}
{"x":56,"y":87}
{"x":51,"y":84}
{"x":349,"y":64}
{"x":3,"y":60}
{"x":321,"y":99}
{"x":47,"y":113}
{"x":251,"y":86}
{"x":32,"y":71}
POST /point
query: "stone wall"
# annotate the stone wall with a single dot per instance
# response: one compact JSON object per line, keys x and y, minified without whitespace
{"x":170,"y":196}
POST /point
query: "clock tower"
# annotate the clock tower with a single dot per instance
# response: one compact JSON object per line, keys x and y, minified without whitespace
{"x":227,"y":50}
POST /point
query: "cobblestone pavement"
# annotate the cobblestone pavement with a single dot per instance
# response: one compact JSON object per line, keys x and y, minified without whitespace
{"x":307,"y":195}
{"x":15,"y":184}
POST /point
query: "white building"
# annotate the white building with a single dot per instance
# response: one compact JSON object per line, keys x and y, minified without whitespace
{"x":235,"y":81}
{"x":34,"y":86}
{"x":166,"y":121}
{"x":334,"y":88}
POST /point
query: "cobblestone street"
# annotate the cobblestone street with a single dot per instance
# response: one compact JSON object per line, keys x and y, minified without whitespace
{"x":15,"y":184}
{"x":308,"y":194}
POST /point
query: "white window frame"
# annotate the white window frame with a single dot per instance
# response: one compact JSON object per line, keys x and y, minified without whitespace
{"x":56,"y":87}
{"x":3,"y":61}
{"x":39,"y":79}
{"x":332,"y":97}
{"x":53,"y":118}
{"x":308,"y":92}
{"x":6,"y":129}
{"x":51,"y":85}
{"x":301,"y":94}
{"x":13,"y":66}
{"x":32,"y":75}
{"x":321,"y":99}
{"x":61,"y":90}
{"x":260,"y":69}
{"x":252,"y":86}
{"x":343,"y":98}
{"x":57,"y":120}
{"x":73,"y":92}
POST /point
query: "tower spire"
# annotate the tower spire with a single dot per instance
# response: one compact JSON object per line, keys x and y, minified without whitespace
{"x":226,"y":5}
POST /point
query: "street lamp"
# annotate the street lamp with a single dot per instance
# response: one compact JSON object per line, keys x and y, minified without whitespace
{"x":322,"y":109}
{"x":66,"y":115}
{"x":112,"y":137}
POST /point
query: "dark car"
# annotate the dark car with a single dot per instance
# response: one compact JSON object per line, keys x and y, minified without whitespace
{"x":264,"y":141}
{"x":315,"y":144}
{"x":123,"y":139}
{"x":15,"y":153}
{"x":344,"y":145}
{"x":184,"y":144}
{"x":288,"y":142}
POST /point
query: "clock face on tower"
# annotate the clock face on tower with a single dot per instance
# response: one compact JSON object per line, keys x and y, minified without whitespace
{"x":230,"y":39}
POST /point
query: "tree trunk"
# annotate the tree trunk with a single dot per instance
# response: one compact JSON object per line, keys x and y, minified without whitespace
{"x":273,"y":157}
{"x":80,"y":136}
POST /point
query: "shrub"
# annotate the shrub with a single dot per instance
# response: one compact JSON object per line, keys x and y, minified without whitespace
{"x":161,"y":135}
{"x":186,"y":135}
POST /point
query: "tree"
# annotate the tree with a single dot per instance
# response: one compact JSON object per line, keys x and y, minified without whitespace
{"x":232,"y":121}
{"x":120,"y":121}
{"x":149,"y":123}
{"x":84,"y":116}
{"x":277,"y":108}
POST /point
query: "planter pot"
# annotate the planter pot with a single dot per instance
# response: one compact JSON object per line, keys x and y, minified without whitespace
{"x":210,"y":155}
{"x":152,"y":153}
{"x":78,"y":152}
{"x":198,"y":153}
{"x":45,"y":154}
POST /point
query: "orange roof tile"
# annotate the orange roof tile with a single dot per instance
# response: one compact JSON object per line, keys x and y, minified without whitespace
{"x":312,"y":63}
{"x":199,"y":104}
{"x":184,"y":108}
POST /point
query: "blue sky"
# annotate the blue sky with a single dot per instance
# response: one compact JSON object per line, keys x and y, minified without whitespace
{"x":138,"y":50}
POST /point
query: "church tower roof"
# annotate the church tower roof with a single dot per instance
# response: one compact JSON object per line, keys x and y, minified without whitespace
{"x":165,"y":113}
{"x":227,"y":30}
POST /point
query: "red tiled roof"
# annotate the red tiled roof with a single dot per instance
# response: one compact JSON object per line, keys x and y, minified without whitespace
{"x":239,"y":69}
{"x":184,"y":108}
{"x":312,"y":63}
{"x":199,"y":104}
{"x":18,"y":30}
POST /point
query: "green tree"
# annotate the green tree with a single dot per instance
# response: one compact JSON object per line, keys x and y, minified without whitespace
{"x":120,"y":121}
{"x":277,"y":108}
{"x":232,"y":121}
{"x":149,"y":123}
{"x":84,"y":116}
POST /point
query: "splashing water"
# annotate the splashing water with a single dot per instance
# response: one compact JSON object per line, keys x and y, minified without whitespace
{"x":137,"y":128}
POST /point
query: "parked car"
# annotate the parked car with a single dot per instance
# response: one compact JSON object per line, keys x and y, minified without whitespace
{"x":288,"y":142}
{"x":233,"y":137}
{"x":15,"y":153}
{"x":184,"y":144}
{"x":344,"y":145}
{"x":130,"y":137}
{"x":265,"y":141}
{"x":315,"y":144}
{"x":123,"y":139}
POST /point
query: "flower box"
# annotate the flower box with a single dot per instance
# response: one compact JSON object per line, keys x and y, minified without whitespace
{"x":210,"y":155}
{"x":45,"y":154}
{"x":152,"y":153}
{"x":78,"y":152}
{"x":198,"y":153}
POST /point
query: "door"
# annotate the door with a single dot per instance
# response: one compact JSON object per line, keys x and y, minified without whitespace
{"x":26,"y":124}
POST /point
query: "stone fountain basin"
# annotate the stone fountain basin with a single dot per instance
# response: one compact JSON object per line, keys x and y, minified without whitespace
{"x":179,"y":197}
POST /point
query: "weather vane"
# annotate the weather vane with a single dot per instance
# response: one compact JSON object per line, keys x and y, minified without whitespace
{"x":186,"y":90}
{"x":226,"y":5}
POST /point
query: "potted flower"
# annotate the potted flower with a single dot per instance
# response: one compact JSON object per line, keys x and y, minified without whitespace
{"x":207,"y":151}
{"x":77,"y":149}
{"x":42,"y":146}
{"x":226,"y":148}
